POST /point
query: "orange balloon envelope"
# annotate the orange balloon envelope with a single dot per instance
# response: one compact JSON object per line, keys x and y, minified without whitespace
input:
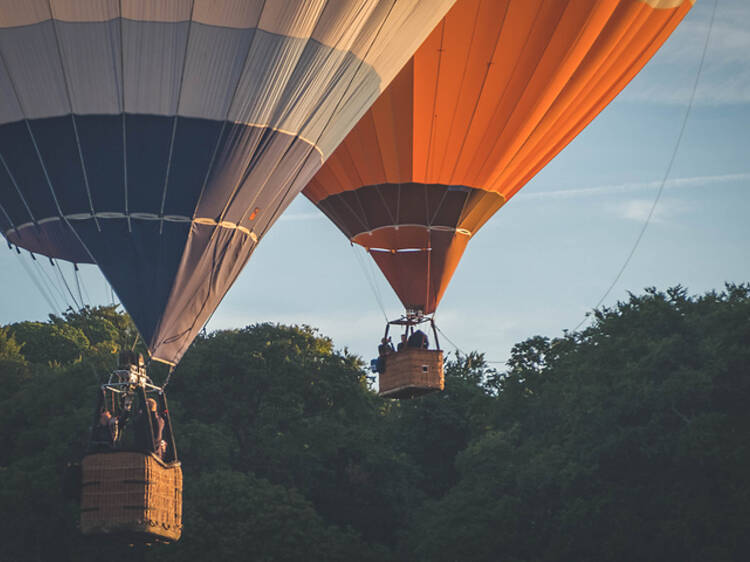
{"x":494,"y":93}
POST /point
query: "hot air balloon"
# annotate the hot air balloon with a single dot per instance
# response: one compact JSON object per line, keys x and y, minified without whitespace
{"x":161,"y":140}
{"x":494,"y":93}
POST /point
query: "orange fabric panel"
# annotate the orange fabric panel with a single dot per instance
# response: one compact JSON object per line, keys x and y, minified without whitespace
{"x":444,"y":263}
{"x":603,"y":89}
{"x":420,"y":278}
{"x":493,"y":94}
{"x":469,"y":46}
{"x":407,"y":274}
{"x":426,"y":74}
{"x":394,"y":119}
{"x":634,"y":33}
{"x":496,"y":90}
{"x":479,"y":209}
{"x":561,"y":38}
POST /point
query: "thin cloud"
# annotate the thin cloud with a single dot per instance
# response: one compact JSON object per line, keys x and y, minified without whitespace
{"x":638,"y":210}
{"x":676,"y":183}
{"x":669,"y":77}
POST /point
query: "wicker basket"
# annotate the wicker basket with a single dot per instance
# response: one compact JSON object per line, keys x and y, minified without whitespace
{"x":131,"y":493}
{"x":412,"y":372}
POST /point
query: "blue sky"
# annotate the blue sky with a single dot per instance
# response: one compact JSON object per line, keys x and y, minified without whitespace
{"x":548,"y":256}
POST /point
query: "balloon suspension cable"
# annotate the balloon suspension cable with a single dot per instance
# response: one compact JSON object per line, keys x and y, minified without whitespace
{"x":460,"y":352}
{"x":56,"y":265}
{"x":370,"y":280}
{"x":169,"y":376}
{"x":666,"y":173}
{"x":82,"y":281}
{"x":135,"y":341}
{"x":78,"y":285}
{"x":38,"y":282}
{"x":204,"y":330}
{"x":450,"y":341}
{"x":52,"y":283}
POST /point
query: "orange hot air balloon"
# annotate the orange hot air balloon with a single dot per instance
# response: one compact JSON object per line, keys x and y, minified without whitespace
{"x":494,"y":93}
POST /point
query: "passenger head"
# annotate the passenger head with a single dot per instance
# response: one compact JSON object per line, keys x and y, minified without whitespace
{"x":127,"y":358}
{"x":151,"y":404}
{"x":104,"y":417}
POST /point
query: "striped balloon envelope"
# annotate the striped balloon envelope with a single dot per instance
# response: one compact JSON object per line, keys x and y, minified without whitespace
{"x":161,"y":139}
{"x":494,"y":93}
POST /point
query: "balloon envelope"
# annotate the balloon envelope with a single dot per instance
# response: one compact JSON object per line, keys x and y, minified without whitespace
{"x":161,"y":140}
{"x":493,"y":94}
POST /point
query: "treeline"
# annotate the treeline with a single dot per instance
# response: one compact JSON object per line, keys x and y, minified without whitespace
{"x":627,"y":441}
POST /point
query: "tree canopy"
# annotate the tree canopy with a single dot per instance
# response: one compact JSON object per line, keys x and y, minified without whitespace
{"x":628,"y":440}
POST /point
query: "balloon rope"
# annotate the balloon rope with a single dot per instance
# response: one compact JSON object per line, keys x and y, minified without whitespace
{"x":49,"y":297}
{"x":51,"y":282}
{"x":370,"y":281}
{"x":83,"y":286}
{"x":56,"y":265}
{"x":666,"y":173}
{"x":78,"y":285}
{"x":450,"y":341}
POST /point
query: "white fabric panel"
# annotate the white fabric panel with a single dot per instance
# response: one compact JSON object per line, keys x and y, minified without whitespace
{"x":153,"y":57}
{"x":157,"y":10}
{"x":247,"y":76}
{"x":271,"y":63}
{"x":240,"y":14}
{"x":214,"y":63}
{"x":23,"y":12}
{"x":91,"y":59}
{"x":33,"y":64}
{"x":359,"y":97}
{"x":345,"y":28}
{"x":323,"y":20}
{"x":85,"y":10}
{"x":321,"y":72}
{"x":10,"y":110}
{"x":293,"y":19}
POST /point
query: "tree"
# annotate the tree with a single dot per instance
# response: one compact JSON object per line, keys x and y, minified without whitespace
{"x":624,"y":442}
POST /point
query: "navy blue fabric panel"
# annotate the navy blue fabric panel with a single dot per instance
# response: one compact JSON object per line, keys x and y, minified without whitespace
{"x":237,"y":151}
{"x":17,"y":149}
{"x":56,"y":140}
{"x":213,"y":259}
{"x":101,"y":143}
{"x":53,"y":238}
{"x":148,"y":140}
{"x":140,"y":264}
{"x":194,"y":146}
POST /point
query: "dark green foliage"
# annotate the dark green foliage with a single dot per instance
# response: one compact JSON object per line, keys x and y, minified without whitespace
{"x":278,"y":402}
{"x":623,"y":442}
{"x":436,"y":427}
{"x":50,"y":342}
{"x":627,"y":441}
{"x":237,"y":515}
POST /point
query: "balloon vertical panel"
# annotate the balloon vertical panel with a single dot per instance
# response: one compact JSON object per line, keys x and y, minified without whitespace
{"x":492,"y":95}
{"x":161,"y":140}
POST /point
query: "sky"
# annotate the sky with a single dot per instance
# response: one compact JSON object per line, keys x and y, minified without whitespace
{"x":550,"y":254}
